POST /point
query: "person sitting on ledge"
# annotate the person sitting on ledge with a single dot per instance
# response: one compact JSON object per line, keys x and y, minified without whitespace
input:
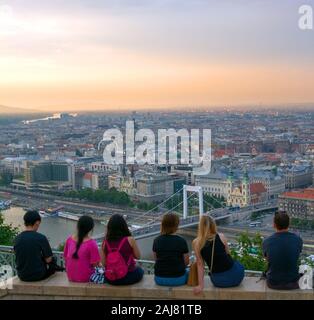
{"x":118,"y":252}
{"x":171,"y":254}
{"x":282,"y":251}
{"x":81,"y":253}
{"x":34,"y":259}
{"x":212,"y":248}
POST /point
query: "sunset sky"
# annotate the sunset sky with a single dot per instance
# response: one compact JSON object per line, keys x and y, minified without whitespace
{"x":110,"y":54}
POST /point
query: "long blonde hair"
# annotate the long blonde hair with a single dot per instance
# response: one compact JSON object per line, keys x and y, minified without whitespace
{"x":207,"y":229}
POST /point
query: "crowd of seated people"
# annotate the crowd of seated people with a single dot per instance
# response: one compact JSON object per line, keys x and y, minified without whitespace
{"x":119,"y":251}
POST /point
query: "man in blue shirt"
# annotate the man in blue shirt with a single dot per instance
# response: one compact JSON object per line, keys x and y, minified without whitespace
{"x":282,"y":251}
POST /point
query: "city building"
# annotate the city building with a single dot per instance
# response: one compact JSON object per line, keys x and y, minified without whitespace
{"x":245,"y":193}
{"x":298,"y":177}
{"x":153,"y":188}
{"x":298,"y":204}
{"x":122,"y":183}
{"x":46,"y":175}
{"x":215,"y":184}
{"x":275,"y":184}
{"x":90,"y":180}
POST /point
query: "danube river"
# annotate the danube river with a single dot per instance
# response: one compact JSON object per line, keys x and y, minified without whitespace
{"x":58,"y":229}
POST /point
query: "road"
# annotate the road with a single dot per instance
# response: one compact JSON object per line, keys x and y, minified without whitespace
{"x":99,"y":212}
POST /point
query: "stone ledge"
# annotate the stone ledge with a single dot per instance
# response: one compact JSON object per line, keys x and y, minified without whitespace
{"x":3,"y":293}
{"x":58,"y":287}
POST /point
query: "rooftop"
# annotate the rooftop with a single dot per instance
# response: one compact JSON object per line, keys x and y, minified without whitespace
{"x":307,"y":194}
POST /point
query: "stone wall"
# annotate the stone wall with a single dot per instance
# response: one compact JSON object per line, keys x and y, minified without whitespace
{"x":58,"y":287}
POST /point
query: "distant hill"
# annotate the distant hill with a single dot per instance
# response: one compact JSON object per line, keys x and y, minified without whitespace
{"x":4,"y":110}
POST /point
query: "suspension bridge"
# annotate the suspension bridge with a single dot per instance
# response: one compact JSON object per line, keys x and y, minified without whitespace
{"x":152,"y":228}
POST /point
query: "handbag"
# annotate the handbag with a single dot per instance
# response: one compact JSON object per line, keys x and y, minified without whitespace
{"x":193,"y":275}
{"x":98,"y":276}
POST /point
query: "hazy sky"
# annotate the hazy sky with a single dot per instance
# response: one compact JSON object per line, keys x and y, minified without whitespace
{"x":153,"y":53}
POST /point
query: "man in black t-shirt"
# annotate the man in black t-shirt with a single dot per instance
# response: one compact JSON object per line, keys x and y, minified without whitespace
{"x":282,"y":251}
{"x":34,"y":260}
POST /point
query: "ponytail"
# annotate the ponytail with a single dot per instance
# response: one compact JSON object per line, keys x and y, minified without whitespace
{"x":84,"y":226}
{"x":80,"y":238}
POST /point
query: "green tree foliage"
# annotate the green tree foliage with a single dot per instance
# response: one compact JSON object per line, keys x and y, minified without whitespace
{"x":302,"y":223}
{"x":7,"y":233}
{"x":106,"y":196}
{"x":6,"y":178}
{"x":61,"y":247}
{"x":256,"y":215}
{"x":147,"y":206}
{"x":249,"y":252}
{"x":210,"y":202}
{"x":307,"y":261}
{"x":78,"y":153}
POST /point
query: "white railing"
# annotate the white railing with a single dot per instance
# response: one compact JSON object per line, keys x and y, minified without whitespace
{"x":7,"y":258}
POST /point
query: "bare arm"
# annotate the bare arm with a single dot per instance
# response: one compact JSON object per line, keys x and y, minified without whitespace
{"x":48,"y":260}
{"x":200,"y":268}
{"x":102,"y":255}
{"x":136,"y":250}
{"x":225,"y":242}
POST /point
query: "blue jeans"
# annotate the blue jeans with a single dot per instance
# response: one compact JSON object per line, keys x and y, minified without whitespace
{"x":131,"y":278}
{"x":173,"y":282}
{"x":230,"y":278}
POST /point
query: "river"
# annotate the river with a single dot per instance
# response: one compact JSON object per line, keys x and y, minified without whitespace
{"x":58,"y":229}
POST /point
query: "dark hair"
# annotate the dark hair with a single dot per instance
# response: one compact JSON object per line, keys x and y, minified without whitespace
{"x":281,"y":220}
{"x":31,"y":217}
{"x":117,"y":228}
{"x":169,"y":223}
{"x":84,"y":226}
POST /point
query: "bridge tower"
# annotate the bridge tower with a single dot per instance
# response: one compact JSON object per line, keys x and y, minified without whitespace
{"x":246,"y":188}
{"x":197,"y":189}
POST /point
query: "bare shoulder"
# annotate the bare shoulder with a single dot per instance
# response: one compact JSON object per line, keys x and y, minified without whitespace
{"x":131,"y":241}
{"x":195,"y":244}
{"x":222,"y":237}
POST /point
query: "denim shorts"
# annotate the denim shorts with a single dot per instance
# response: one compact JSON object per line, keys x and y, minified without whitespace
{"x":230,"y":278}
{"x":173,"y":282}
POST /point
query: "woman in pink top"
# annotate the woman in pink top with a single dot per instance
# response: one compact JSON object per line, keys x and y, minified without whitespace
{"x":119,"y":238}
{"x":81,"y":253}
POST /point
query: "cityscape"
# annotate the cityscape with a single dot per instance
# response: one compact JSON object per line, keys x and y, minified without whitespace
{"x":258,"y":157}
{"x":160,"y":137}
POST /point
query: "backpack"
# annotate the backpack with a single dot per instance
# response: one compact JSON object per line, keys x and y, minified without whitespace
{"x":116,"y":267}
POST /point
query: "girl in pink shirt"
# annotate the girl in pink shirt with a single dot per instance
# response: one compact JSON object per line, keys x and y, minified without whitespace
{"x":81,"y":253}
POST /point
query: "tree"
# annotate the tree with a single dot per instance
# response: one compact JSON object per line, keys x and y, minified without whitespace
{"x":6,"y":178}
{"x":61,"y":247}
{"x":78,"y":153}
{"x":112,"y":196}
{"x":7,"y":233}
{"x":249,"y":252}
{"x":213,"y":202}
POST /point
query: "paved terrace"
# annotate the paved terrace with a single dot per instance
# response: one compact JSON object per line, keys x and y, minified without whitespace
{"x":59,"y":288}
